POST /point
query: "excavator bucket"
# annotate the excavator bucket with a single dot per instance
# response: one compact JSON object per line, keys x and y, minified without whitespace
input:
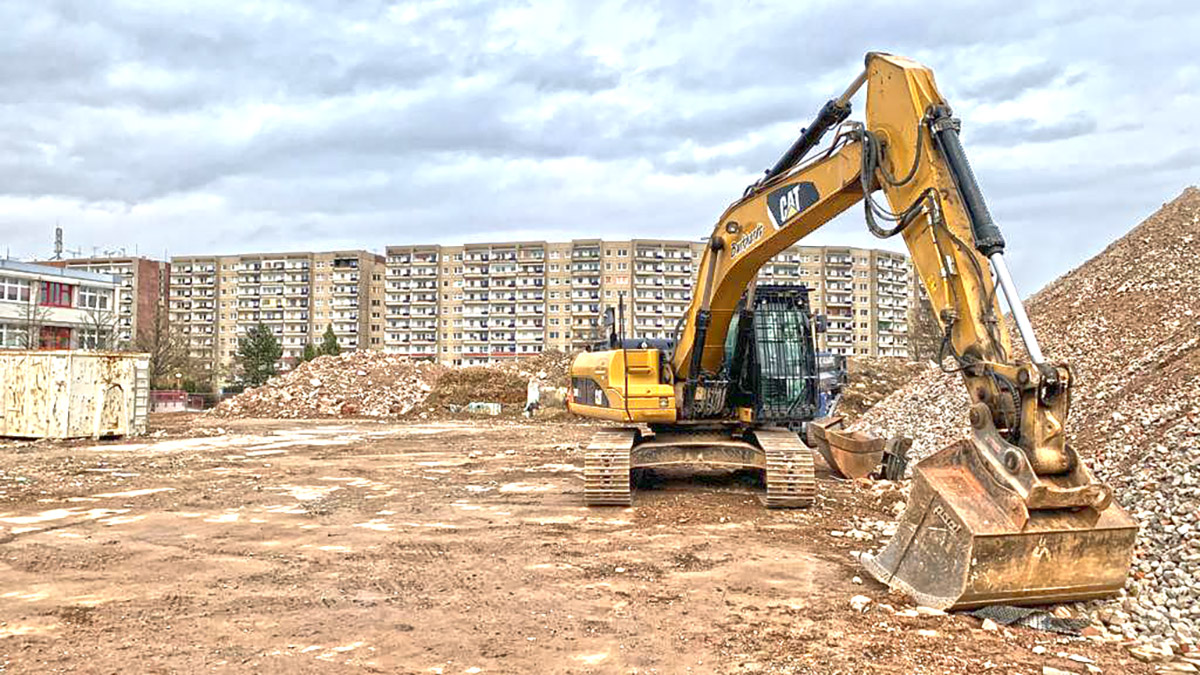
{"x":964,"y":541}
{"x":851,"y":454}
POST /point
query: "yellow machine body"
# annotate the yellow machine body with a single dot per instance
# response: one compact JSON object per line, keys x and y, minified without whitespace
{"x":1011,"y":515}
{"x":621,"y":385}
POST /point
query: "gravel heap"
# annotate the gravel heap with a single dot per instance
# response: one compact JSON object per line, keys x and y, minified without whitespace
{"x":1128,"y":322}
{"x":871,"y":379}
{"x":359,"y":383}
{"x":375,"y":384}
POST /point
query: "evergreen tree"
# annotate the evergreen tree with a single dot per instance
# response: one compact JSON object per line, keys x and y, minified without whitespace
{"x":310,"y":352}
{"x":329,"y":343}
{"x":257,"y":354}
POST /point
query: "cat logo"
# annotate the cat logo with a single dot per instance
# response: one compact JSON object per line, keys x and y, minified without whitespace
{"x":790,"y":201}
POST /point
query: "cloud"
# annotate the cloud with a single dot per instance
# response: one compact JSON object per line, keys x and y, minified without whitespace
{"x":1025,"y":130}
{"x":225,"y":126}
{"x":1010,"y":85}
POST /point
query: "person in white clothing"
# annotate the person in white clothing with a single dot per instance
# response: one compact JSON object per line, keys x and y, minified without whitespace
{"x":533,"y":394}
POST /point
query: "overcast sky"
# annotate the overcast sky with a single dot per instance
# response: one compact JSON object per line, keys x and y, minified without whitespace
{"x":258,"y":125}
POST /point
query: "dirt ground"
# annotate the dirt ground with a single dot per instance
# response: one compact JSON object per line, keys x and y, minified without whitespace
{"x":447,"y":547}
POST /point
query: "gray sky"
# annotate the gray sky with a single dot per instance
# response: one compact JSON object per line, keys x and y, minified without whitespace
{"x":257,"y":125}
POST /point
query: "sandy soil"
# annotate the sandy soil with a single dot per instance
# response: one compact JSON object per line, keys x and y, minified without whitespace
{"x":449,"y":547}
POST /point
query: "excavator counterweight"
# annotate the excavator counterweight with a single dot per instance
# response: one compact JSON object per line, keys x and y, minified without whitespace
{"x":1009,"y":515}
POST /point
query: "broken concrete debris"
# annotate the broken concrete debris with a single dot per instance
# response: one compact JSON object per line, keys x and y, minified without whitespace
{"x":375,"y":384}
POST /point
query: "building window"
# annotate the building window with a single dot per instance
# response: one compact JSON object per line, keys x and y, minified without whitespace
{"x":90,"y":338}
{"x":14,"y":289}
{"x":92,"y":298}
{"x":54,"y":337}
{"x":56,"y":294}
{"x":11,"y":335}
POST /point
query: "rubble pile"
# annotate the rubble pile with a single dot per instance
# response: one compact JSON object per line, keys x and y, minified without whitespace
{"x":504,"y":382}
{"x":1128,"y":322}
{"x":355,"y":384}
{"x":551,"y":367}
{"x":871,"y":379}
{"x":374,"y":384}
{"x":460,"y":386}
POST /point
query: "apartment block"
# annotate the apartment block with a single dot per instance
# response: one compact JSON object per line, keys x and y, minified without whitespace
{"x":48,"y":307}
{"x":864,"y":294}
{"x":142,"y":294}
{"x":478,"y":303}
{"x":215,"y":300}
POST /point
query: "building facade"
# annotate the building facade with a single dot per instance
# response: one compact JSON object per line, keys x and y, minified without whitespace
{"x":141,"y":298}
{"x":478,"y":303}
{"x":215,"y":300}
{"x":47,"y":307}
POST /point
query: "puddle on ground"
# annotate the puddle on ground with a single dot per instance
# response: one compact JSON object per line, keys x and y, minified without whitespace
{"x":524,"y":487}
{"x":134,"y":493}
{"x":304,"y":493}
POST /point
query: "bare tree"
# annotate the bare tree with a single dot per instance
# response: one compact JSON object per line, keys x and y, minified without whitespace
{"x":167,"y":349}
{"x":32,"y":318}
{"x":101,"y":329}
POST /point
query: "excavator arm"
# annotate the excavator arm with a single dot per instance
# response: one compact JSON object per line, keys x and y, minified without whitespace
{"x":1017,"y":472}
{"x":908,"y":149}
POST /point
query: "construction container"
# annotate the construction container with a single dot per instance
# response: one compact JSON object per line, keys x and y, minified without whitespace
{"x":73,"y":394}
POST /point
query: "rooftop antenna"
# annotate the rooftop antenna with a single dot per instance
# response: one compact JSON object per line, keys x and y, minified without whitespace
{"x":58,"y":245}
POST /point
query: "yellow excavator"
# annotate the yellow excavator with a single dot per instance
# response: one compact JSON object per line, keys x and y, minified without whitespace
{"x":1010,"y":514}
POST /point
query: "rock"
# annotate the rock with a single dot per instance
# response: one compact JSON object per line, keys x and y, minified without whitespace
{"x":1039,"y":649}
{"x":1147,"y":653}
{"x":925,"y":632}
{"x":990,"y":626}
{"x":859,"y":603}
{"x":1048,"y":670}
{"x":930,"y":611}
{"x":856,"y":580}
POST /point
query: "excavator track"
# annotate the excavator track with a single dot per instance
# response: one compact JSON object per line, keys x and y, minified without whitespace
{"x":791,"y":475}
{"x":606,"y":468}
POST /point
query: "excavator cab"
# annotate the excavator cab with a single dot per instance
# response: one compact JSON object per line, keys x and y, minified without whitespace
{"x":771,"y":358}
